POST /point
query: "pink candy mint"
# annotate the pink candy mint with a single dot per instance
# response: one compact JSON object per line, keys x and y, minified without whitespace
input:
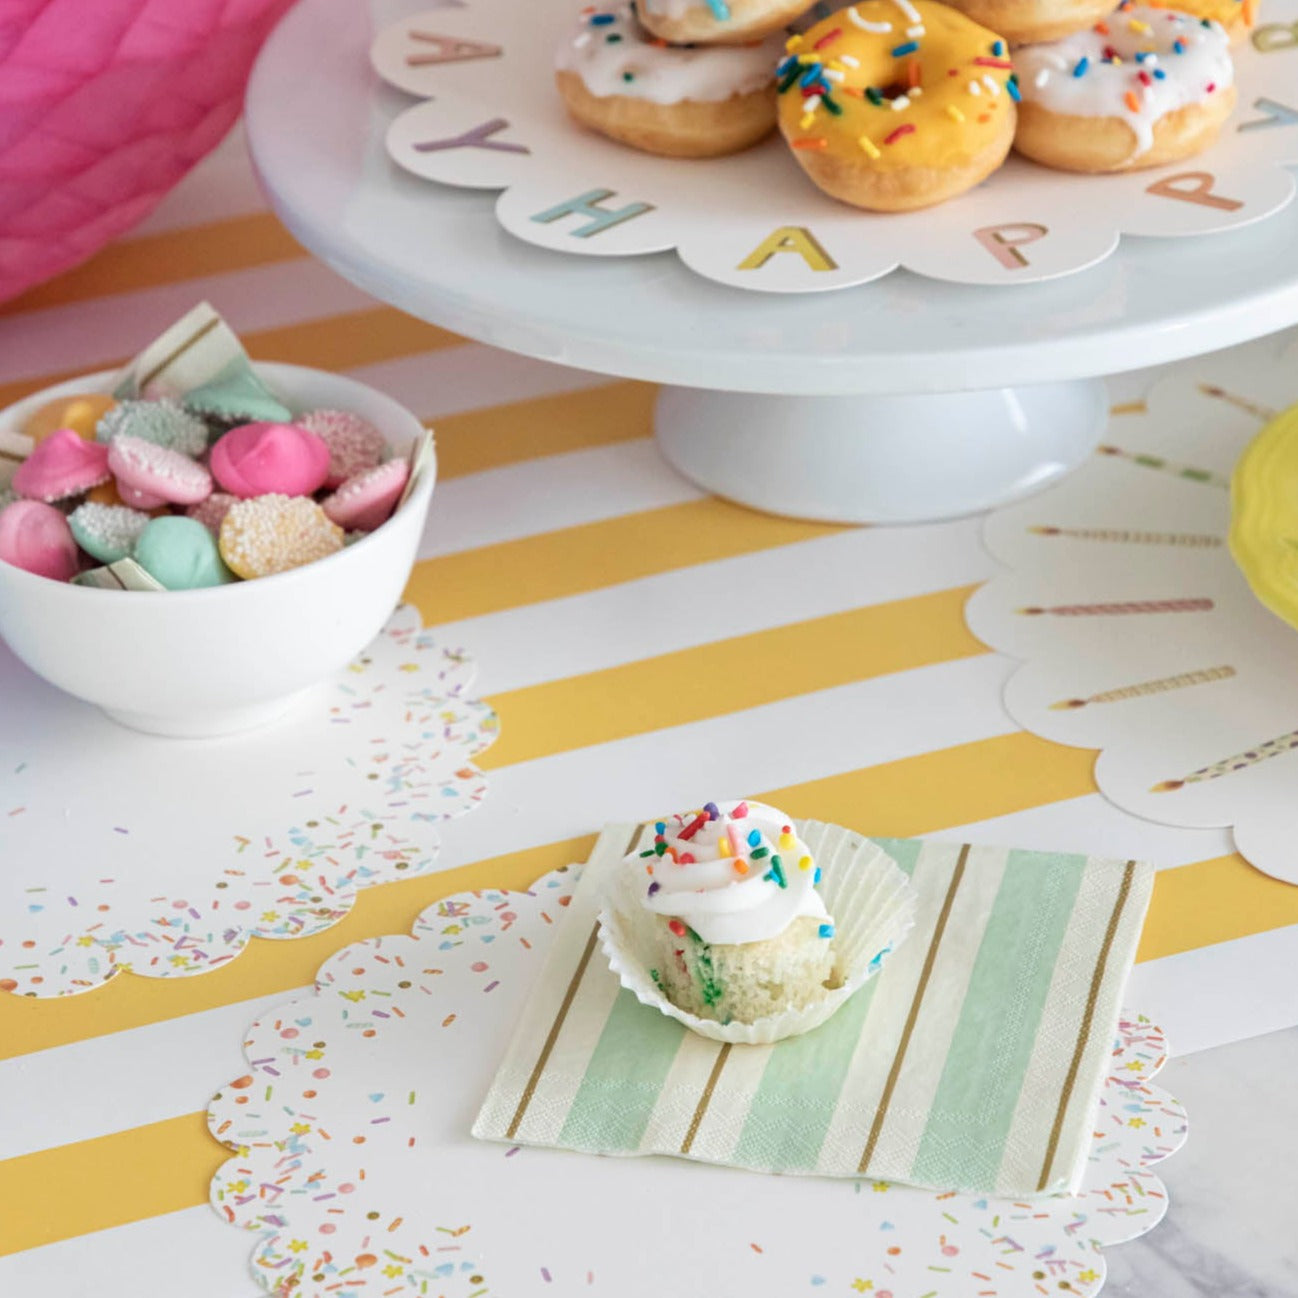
{"x":36,"y":537}
{"x":270,"y":459}
{"x":148,"y":472}
{"x":367,"y":500}
{"x":354,"y":443}
{"x":212,"y":511}
{"x":62,"y":465}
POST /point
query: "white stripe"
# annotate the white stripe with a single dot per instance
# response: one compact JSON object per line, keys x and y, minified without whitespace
{"x":722,"y":1124}
{"x":688,"y":1076}
{"x":806,"y":737}
{"x":542,"y":495}
{"x":640,"y":619}
{"x":100,"y":1085}
{"x":1093,"y":826}
{"x":1221,"y":993}
{"x":191,"y":1252}
{"x":472,"y":377}
{"x":89,"y":335}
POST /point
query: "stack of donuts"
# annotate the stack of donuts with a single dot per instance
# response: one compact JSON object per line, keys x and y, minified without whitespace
{"x":892,"y":105}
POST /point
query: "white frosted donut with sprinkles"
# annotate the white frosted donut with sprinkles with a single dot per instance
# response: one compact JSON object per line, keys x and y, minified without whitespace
{"x":718,"y":22}
{"x":688,"y":102}
{"x":1144,"y":87}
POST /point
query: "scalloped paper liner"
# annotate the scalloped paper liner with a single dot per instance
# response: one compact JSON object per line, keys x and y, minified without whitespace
{"x":164,"y":857}
{"x":870,"y":900}
{"x":354,"y":1172}
{"x":1146,"y":642}
{"x":493,"y":121}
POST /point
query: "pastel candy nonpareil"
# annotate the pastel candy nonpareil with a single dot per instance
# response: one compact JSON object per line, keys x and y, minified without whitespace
{"x":62,"y":465}
{"x":272,"y":534}
{"x":80,"y":413}
{"x":166,"y":423}
{"x":106,"y":532}
{"x":236,"y":394}
{"x":354,"y":443}
{"x":181,"y":554}
{"x":212,"y":511}
{"x":270,"y":459}
{"x":366,"y":501}
{"x":149,"y":475}
{"x":35,"y":537}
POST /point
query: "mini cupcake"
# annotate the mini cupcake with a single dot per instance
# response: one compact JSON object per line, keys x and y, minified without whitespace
{"x":718,"y":919}
{"x":742,"y":932}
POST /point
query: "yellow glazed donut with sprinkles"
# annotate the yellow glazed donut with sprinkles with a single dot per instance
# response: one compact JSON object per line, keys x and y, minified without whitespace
{"x":893,"y":105}
{"x":683,"y":102}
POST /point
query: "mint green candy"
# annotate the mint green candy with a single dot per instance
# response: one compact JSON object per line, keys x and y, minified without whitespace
{"x":107,"y":532}
{"x":181,"y":553}
{"x":165,"y":423}
{"x":237,"y":396}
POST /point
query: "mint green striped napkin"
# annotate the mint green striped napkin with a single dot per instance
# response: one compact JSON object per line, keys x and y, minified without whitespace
{"x":972,"y":1062}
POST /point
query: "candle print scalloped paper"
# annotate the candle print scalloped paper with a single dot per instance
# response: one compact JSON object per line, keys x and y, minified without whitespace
{"x":355,"y":1169}
{"x":164,"y":856}
{"x":493,"y":120}
{"x":1138,"y":635}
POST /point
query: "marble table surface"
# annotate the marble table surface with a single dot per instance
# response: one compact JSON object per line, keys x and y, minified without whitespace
{"x":1230,"y":1232}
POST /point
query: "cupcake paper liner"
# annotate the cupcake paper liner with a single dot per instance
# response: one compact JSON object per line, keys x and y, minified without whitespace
{"x":871,"y":901}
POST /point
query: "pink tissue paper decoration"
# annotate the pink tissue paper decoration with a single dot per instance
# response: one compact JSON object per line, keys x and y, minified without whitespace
{"x":104,"y":106}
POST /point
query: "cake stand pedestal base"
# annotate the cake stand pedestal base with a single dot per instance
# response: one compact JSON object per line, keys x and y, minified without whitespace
{"x":880,"y":459}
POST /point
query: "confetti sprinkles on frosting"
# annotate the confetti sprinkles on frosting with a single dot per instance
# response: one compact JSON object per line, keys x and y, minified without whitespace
{"x":827,"y":75}
{"x":614,"y":55}
{"x":1140,"y":65}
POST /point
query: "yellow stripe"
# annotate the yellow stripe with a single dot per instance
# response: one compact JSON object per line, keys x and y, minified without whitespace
{"x":527,"y":430}
{"x":336,"y":342}
{"x":151,"y":260}
{"x":731,"y":675}
{"x":1213,"y":901}
{"x":94,"y":1184}
{"x":594,"y":555}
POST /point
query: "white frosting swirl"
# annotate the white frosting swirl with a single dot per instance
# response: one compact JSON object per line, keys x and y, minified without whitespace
{"x":613,"y":55}
{"x":1164,"y":60}
{"x":741,"y":875}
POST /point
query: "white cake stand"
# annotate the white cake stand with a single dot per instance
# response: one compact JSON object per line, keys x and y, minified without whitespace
{"x":896,"y":401}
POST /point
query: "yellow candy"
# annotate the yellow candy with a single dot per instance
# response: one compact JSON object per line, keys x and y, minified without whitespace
{"x":79,"y":413}
{"x":270,"y":534}
{"x":105,"y":494}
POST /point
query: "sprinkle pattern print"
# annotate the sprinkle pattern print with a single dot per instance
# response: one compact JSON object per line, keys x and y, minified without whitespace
{"x":352,"y":1164}
{"x":168,"y":868}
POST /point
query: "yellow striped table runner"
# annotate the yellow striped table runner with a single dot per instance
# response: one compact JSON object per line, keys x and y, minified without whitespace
{"x":836,"y":680}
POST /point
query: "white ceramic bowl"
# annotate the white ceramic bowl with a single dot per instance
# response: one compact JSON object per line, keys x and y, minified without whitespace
{"x":208,"y":662}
